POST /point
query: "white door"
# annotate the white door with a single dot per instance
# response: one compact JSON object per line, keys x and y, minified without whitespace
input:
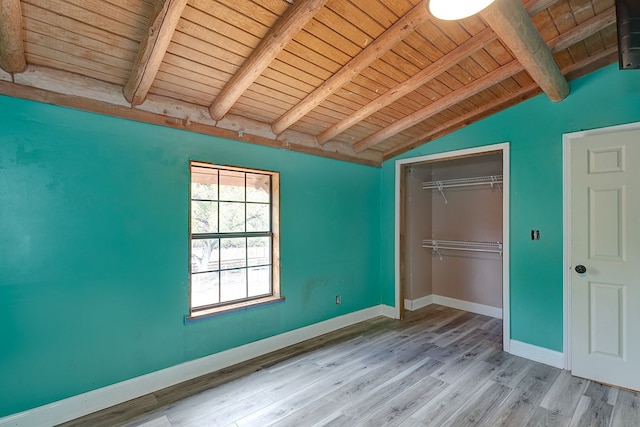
{"x":605,"y":239}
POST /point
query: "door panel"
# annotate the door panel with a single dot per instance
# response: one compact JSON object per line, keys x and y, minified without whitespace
{"x":606,"y":224}
{"x":606,"y":160}
{"x":606,"y":320}
{"x":605,"y":238}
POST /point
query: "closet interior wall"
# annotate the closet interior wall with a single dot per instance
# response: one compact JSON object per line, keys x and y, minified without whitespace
{"x":418,"y":219}
{"x":471,"y":213}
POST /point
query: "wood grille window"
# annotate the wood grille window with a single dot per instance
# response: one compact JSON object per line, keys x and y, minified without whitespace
{"x":234,"y":238}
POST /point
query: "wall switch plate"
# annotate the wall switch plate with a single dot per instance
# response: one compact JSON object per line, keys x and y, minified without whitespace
{"x":338,"y":300}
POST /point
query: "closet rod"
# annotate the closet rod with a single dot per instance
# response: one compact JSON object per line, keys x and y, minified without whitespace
{"x":462,"y":182}
{"x":462,"y":245}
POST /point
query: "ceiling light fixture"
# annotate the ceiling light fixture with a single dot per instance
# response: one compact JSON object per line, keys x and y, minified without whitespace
{"x":456,"y":9}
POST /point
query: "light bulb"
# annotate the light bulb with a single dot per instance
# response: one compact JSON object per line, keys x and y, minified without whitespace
{"x":456,"y":9}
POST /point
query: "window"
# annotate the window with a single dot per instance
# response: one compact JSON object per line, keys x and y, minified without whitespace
{"x":234,"y":238}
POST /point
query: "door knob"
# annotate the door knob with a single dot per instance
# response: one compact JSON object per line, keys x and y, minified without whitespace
{"x":581,"y":269}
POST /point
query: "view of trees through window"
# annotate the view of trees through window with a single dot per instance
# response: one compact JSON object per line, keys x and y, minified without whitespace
{"x":231,"y":236}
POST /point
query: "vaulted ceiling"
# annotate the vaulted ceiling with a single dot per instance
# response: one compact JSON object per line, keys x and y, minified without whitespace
{"x":358,"y":80}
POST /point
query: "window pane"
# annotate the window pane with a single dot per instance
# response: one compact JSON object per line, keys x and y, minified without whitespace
{"x":259,"y":281}
{"x":232,"y":186}
{"x":232,"y":217}
{"x":205,"y":289}
{"x":259,"y":251}
{"x":204,"y":184}
{"x":258,"y":188}
{"x":233,"y":284}
{"x":204,"y":217}
{"x":258,"y":217}
{"x":204,"y":255}
{"x":233,"y":253}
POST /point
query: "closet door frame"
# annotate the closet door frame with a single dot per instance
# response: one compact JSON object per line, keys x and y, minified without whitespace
{"x":399,"y":182}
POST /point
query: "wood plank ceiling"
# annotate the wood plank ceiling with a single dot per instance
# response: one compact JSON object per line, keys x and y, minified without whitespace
{"x":358,"y":80}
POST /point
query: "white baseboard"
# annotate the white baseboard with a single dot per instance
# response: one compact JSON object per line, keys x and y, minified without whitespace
{"x":537,"y":354}
{"x":388,"y":311}
{"x":95,"y":400}
{"x":473,"y":307}
{"x":417,"y":304}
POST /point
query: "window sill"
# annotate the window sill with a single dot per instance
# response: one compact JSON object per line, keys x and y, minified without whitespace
{"x":232,"y":308}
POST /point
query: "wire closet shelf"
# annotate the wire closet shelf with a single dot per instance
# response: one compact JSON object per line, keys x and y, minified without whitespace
{"x":463,"y":182}
{"x":461,"y":245}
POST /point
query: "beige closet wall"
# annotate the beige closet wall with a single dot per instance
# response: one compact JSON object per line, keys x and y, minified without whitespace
{"x":472,"y":213}
{"x":418,"y":225}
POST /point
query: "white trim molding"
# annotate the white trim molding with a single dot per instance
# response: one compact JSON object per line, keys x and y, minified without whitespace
{"x":506,"y":159}
{"x":473,"y":307}
{"x":95,"y":400}
{"x":537,"y":354}
{"x":566,"y":248}
{"x":419,"y":303}
{"x":388,"y":311}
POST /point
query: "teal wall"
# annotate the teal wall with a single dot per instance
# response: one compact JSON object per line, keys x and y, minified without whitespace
{"x":94,"y":243}
{"x":94,"y":249}
{"x":534,"y":129}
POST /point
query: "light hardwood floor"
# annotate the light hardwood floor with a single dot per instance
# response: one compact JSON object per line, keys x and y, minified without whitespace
{"x":439,"y":367}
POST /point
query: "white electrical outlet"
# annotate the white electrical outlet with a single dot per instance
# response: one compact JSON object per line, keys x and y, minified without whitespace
{"x":338,"y":299}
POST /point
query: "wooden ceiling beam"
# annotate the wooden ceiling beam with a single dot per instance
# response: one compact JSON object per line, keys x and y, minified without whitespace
{"x":575,"y":70}
{"x":381,"y":45}
{"x":561,"y":42}
{"x":421,"y":78}
{"x":417,"y":80}
{"x":293,"y":20}
{"x":591,"y":26}
{"x":477,"y":86}
{"x":466,"y":119}
{"x":152,"y":49}
{"x":510,"y":21}
{"x":12,"y":59}
{"x":536,"y":6}
{"x":589,"y":65}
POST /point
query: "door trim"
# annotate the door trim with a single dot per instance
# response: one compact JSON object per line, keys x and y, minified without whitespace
{"x":567,"y":139}
{"x":504,"y":147}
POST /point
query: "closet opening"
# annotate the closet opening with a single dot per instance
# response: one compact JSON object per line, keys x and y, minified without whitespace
{"x":452,"y":223}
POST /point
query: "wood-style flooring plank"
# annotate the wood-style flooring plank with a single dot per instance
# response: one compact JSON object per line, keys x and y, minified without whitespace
{"x":451,"y":371}
{"x":546,"y":418}
{"x":157,"y":422}
{"x":311,"y":414}
{"x":203,"y":416}
{"x":448,"y":403}
{"x":565,"y":393}
{"x":379,"y":396}
{"x":597,"y":410}
{"x":512,"y":372}
{"x":397,"y":409}
{"x":476,"y":410}
{"x":519,"y":407}
{"x":626,"y":411}
{"x":522,"y":403}
{"x":336,"y":420}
